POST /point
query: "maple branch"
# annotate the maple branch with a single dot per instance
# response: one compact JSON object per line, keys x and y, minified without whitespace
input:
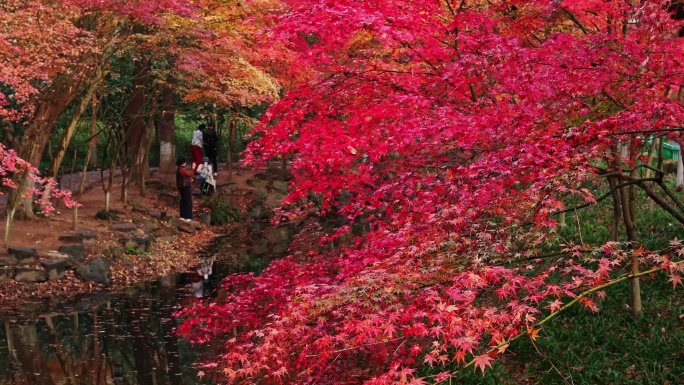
{"x":572,"y":17}
{"x":451,"y":9}
{"x":664,"y":205}
{"x":360,"y":346}
{"x":647,"y":131}
{"x":671,"y":195}
{"x":534,"y":257}
{"x":609,"y":193}
{"x":651,"y":194}
{"x":505,"y":343}
{"x":615,"y":101}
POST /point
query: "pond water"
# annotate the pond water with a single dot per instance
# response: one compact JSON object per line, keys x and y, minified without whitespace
{"x":114,"y":338}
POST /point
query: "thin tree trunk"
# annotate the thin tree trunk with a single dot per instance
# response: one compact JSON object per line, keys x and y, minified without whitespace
{"x":634,"y":284}
{"x":74,"y":226}
{"x":626,"y":151}
{"x":84,"y":175}
{"x":8,"y":228}
{"x":107,"y":187}
{"x":136,"y":118}
{"x":28,"y":200}
{"x":231,"y":149}
{"x":167,"y":130}
{"x":651,"y":162}
{"x":92,"y":148}
{"x":73,"y":169}
{"x":617,"y":210}
{"x":679,"y":183}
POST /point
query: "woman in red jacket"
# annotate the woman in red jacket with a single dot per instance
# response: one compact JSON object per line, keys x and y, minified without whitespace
{"x":184,"y":183}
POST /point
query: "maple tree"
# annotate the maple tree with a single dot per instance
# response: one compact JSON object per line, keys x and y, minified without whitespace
{"x":11,"y":165}
{"x":55,"y":54}
{"x":455,"y":132}
{"x":230,"y":66}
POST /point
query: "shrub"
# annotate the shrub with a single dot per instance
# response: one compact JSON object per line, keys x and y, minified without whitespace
{"x":222,"y":212}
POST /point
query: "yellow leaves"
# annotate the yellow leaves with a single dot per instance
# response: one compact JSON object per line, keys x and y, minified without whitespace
{"x":361,"y":39}
{"x":502,"y":345}
{"x":532,"y":332}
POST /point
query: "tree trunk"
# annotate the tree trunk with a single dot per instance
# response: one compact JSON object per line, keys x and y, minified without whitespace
{"x":167,"y":131}
{"x":28,"y":200}
{"x":107,"y":187}
{"x":84,"y":172}
{"x":680,"y":169}
{"x":136,"y":117}
{"x":627,"y":152}
{"x":231,"y":149}
{"x":8,"y":227}
{"x":655,"y":154}
{"x":94,"y":132}
{"x":617,"y":210}
{"x":628,"y":217}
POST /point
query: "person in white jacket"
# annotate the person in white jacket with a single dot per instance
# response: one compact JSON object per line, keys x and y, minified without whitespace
{"x":196,"y":146}
{"x":206,"y":176}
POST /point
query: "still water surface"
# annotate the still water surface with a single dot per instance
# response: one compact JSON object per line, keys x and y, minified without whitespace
{"x":113,"y":338}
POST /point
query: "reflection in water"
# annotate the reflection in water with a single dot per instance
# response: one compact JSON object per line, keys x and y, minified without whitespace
{"x":129,"y":339}
{"x":122,"y":338}
{"x":125,"y":338}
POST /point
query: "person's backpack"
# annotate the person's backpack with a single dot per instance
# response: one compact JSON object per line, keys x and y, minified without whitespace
{"x":207,"y":189}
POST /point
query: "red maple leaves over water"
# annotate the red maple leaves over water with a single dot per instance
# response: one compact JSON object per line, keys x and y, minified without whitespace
{"x":454,"y":130}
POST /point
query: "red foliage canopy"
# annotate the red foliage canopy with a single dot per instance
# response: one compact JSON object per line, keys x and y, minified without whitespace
{"x":455,"y":129}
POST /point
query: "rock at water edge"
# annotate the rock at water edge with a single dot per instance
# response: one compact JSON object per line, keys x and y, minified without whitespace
{"x":55,"y":269}
{"x":96,"y":270}
{"x":76,"y":252}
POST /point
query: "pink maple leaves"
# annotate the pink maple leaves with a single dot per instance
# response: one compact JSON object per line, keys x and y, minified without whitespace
{"x":11,"y":165}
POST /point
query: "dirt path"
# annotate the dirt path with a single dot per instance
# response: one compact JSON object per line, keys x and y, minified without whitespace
{"x":177,"y":253}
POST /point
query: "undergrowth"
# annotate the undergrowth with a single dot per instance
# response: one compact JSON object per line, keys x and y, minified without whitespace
{"x":609,"y":347}
{"x":222,"y":211}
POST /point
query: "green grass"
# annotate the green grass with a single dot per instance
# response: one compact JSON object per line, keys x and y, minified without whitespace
{"x":609,"y":347}
{"x":605,"y":348}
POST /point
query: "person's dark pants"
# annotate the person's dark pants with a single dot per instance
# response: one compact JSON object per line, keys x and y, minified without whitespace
{"x":211,"y":154}
{"x":185,"y":202}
